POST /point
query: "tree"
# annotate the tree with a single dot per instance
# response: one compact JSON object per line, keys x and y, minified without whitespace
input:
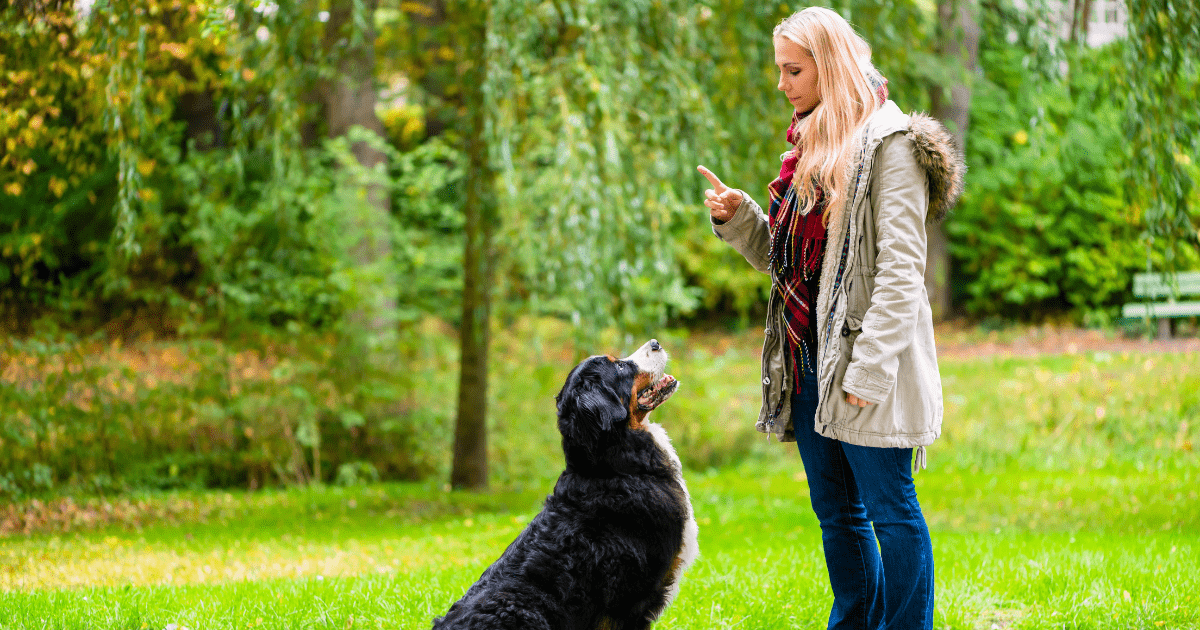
{"x":589,"y":111}
{"x":446,"y":56}
{"x":470,"y":430}
{"x":1081,"y":18}
{"x":958,"y":46}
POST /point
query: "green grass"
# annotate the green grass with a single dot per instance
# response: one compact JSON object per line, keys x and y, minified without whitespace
{"x":1086,"y":549}
{"x":1062,"y":494}
{"x":1051,"y":412}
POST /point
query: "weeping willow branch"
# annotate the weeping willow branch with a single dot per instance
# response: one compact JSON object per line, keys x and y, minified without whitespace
{"x":125,"y":116}
{"x":598,"y":110}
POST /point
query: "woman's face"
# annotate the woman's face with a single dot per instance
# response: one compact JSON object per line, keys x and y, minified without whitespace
{"x":797,"y":74}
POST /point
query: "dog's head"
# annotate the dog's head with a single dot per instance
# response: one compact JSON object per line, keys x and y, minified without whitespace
{"x":604,"y":404}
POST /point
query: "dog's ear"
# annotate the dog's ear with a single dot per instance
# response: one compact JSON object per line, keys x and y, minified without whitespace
{"x":590,"y":405}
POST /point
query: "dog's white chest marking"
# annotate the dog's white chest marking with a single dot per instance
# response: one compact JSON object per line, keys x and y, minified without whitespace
{"x":690,"y":548}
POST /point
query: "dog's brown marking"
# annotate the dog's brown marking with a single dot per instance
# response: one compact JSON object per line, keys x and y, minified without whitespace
{"x":637,"y":415}
{"x":672,"y":575}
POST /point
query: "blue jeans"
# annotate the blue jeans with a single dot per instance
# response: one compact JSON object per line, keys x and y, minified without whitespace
{"x":889,"y":585}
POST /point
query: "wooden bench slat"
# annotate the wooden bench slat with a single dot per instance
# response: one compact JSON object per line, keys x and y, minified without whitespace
{"x":1158,"y":285}
{"x":1161,"y":309}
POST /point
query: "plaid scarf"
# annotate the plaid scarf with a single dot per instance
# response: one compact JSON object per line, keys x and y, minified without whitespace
{"x":798,"y":245}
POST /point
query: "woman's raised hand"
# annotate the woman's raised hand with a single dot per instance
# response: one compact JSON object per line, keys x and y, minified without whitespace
{"x":722,"y":201}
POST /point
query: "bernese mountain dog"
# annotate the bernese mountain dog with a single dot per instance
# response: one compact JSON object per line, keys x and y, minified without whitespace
{"x":609,"y":546}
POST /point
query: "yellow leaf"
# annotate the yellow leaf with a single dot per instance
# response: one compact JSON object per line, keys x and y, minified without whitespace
{"x":57,"y":186}
{"x":176,"y":49}
{"x":247,"y":74}
{"x":145,"y":167}
{"x":13,"y":188}
{"x":1021,"y":137}
{"x":416,"y":8}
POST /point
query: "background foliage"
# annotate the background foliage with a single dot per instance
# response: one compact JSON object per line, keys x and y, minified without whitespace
{"x":167,"y":174}
{"x":1045,"y":226}
{"x":601,"y":112}
{"x":1163,"y":126}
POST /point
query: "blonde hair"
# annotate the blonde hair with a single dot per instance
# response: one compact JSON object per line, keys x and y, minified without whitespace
{"x":843,"y":61}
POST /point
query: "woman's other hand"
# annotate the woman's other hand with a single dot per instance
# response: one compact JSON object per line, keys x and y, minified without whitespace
{"x":722,"y":201}
{"x":855,"y":400}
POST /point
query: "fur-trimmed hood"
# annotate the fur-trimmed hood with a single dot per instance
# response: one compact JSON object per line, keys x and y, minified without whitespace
{"x":935,"y":151}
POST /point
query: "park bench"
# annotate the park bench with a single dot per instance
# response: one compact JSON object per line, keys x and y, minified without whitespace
{"x":1156,"y":286}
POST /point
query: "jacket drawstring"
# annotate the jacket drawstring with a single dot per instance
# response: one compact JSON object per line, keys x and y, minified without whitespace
{"x":920,"y":462}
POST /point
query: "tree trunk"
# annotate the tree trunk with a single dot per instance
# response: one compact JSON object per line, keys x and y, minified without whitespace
{"x":959,"y":45}
{"x":470,"y":466}
{"x":1085,"y":21}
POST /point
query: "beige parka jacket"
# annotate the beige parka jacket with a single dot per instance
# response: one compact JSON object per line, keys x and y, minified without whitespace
{"x":874,"y":323}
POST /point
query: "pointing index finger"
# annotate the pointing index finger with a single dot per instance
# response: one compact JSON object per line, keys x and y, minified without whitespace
{"x":712,"y":179}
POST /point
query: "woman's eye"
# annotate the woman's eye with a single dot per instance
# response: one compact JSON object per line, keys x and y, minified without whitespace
{"x":794,"y":72}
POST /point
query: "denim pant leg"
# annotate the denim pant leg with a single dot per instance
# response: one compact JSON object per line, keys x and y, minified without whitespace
{"x":851,"y":556}
{"x":886,"y":484}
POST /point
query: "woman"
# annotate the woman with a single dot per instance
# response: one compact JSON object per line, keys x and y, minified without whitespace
{"x":849,"y":366}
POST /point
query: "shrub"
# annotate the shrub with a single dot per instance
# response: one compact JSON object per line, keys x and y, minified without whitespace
{"x":1044,"y":226}
{"x":94,"y":417}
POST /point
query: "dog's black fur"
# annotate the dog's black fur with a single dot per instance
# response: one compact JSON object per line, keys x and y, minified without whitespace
{"x":604,"y":553}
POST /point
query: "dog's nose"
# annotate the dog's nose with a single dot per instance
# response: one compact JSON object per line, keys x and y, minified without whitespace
{"x":654,"y":345}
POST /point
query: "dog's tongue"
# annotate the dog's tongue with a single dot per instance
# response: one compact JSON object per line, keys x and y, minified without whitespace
{"x":657,"y":393}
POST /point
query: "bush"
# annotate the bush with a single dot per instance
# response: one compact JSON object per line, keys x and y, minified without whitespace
{"x":94,"y":417}
{"x":1044,"y":226}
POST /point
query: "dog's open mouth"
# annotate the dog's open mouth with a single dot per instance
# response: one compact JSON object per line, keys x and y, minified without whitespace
{"x":658,"y":393}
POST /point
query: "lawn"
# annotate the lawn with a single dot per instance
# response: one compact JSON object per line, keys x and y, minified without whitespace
{"x":1064,"y":494}
{"x":1079,"y":549}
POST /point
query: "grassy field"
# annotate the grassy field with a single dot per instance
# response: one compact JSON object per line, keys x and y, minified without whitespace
{"x":1063,"y":494}
{"x":1081,"y":549}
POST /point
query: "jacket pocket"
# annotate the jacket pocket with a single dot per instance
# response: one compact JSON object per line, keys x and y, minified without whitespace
{"x":775,"y":406}
{"x":858,"y":297}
